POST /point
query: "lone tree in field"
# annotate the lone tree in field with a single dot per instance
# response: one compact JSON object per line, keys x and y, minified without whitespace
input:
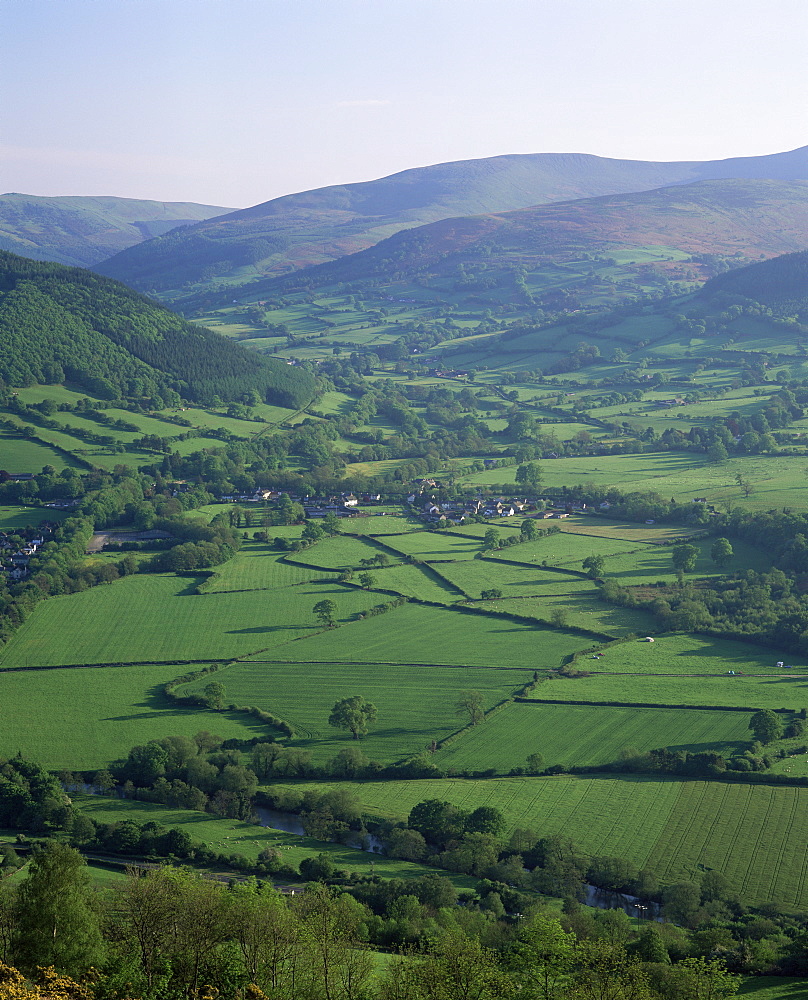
{"x":721,"y":552}
{"x":594,"y":566}
{"x":470,"y":703}
{"x":766,"y":726}
{"x":214,"y":694}
{"x":684,"y":557}
{"x":326,"y":611}
{"x":353,"y":714}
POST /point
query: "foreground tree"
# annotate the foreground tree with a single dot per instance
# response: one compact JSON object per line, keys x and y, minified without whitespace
{"x":353,"y":714}
{"x":54,"y":915}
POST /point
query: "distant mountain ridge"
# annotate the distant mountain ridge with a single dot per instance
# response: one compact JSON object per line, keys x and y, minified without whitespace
{"x":747,"y":218}
{"x":312,"y":227}
{"x":84,"y":231}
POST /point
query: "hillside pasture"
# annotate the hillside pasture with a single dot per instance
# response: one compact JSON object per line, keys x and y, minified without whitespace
{"x":583,"y":736}
{"x":157,"y":618}
{"x":756,"y":835}
{"x":418,"y":634}
{"x":84,"y":718}
{"x":416,"y":704}
{"x":382,"y":524}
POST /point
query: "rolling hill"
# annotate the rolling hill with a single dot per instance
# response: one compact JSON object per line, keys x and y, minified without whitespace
{"x":85,"y":231}
{"x":742,"y":219}
{"x":312,"y":227}
{"x":58,"y":322}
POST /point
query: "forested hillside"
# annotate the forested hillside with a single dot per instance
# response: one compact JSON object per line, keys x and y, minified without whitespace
{"x":58,"y":322}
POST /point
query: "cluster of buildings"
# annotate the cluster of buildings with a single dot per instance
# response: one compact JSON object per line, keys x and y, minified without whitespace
{"x":14,"y":559}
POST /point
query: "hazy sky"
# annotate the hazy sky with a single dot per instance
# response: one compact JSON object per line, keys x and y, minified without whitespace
{"x":234,"y":102}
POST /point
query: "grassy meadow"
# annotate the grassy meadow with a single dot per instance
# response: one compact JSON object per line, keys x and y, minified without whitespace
{"x":583,"y":736}
{"x":756,"y":835}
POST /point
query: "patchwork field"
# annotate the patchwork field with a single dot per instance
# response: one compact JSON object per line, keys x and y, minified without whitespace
{"x":581,"y":610}
{"x":472,"y":577}
{"x":756,"y":835}
{"x":416,"y":704}
{"x":581,"y":736}
{"x":418,"y":634}
{"x":147,"y":619}
{"x":81,"y":719}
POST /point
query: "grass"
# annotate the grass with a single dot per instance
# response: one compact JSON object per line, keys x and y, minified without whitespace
{"x":418,"y":634}
{"x":382,"y":524}
{"x":690,"y":654}
{"x":234,"y":837}
{"x":582,"y":736}
{"x":416,"y":704}
{"x":774,"y":988}
{"x":472,"y":577}
{"x":257,"y":566}
{"x":153,"y":618}
{"x":434,"y":546}
{"x":744,"y":692}
{"x":581,"y":610}
{"x":415,"y":581}
{"x":13,"y":517}
{"x":82,"y":719}
{"x":19,"y":454}
{"x":337,"y":553}
{"x":756,"y":835}
{"x":775,"y":479}
{"x":629,"y":531}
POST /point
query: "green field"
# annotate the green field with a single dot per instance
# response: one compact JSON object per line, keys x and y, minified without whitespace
{"x":416,"y":581}
{"x":15,"y":517}
{"x":756,"y":835}
{"x":745,"y":692}
{"x":673,"y":474}
{"x":472,"y":577}
{"x":689,"y":654}
{"x":581,"y":610}
{"x":418,"y":634}
{"x":337,"y":553}
{"x":148,"y":619}
{"x":81,"y":719}
{"x":416,"y":704}
{"x":581,"y":736}
{"x":257,"y":566}
{"x":774,"y":988}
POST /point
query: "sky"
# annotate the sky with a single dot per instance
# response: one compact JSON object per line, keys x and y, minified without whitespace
{"x":234,"y":102}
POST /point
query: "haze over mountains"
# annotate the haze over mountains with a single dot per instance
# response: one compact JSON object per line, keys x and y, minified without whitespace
{"x":317,"y":226}
{"x":85,"y":231}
